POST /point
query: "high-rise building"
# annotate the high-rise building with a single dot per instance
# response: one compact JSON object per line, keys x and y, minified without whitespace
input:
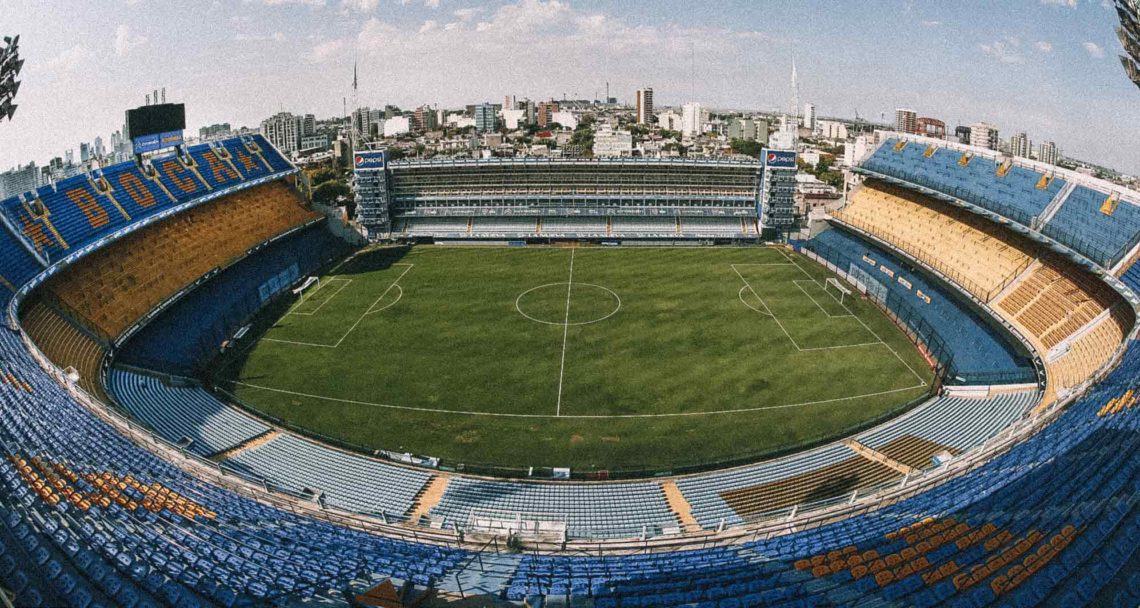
{"x":691,"y":119}
{"x":19,"y":180}
{"x":284,"y":130}
{"x":84,"y":152}
{"x":611,"y":142}
{"x":485,"y":119}
{"x":962,"y":133}
{"x":809,"y":117}
{"x":984,"y":135}
{"x":742,"y":128}
{"x":931,"y":127}
{"x":361,"y":120}
{"x":1047,"y":152}
{"x":906,"y":121}
{"x":217,"y":131}
{"x":426,"y":118}
{"x":509,"y":102}
{"x":1019,"y":145}
{"x":669,"y":120}
{"x":308,"y":125}
{"x":645,"y":106}
{"x":513,"y":119}
{"x":531,"y":112}
{"x":546,"y":110}
{"x":99,"y":150}
{"x":831,"y":129}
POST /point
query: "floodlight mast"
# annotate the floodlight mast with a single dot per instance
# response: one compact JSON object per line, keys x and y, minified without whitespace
{"x":10,"y":66}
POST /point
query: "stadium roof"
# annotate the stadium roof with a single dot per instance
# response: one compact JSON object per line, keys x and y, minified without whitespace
{"x":1129,"y":34}
{"x":10,"y":66}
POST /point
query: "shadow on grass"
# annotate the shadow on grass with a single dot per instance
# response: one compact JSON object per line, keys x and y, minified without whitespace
{"x":223,"y":371}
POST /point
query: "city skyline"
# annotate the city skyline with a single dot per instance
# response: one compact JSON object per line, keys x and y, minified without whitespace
{"x":1045,"y":67}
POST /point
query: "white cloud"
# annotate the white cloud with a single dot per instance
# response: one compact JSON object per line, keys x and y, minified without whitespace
{"x":287,"y":2}
{"x":275,"y":37}
{"x":1094,"y":50}
{"x":68,"y":60}
{"x":124,"y":41}
{"x":1068,"y":3}
{"x":1005,"y":51}
{"x":466,"y":14}
{"x":1044,"y":46}
{"x":931,"y":23}
{"x":325,"y":51}
{"x":361,"y":6}
{"x":427,"y":3}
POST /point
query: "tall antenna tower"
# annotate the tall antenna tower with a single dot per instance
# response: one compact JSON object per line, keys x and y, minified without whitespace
{"x":355,"y":137}
{"x":795,"y":106}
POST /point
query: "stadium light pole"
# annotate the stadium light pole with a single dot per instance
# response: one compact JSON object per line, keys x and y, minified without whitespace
{"x":10,"y":66}
{"x":1129,"y":35}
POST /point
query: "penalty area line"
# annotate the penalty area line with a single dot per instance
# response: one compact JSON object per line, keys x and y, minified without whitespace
{"x":580,"y":416}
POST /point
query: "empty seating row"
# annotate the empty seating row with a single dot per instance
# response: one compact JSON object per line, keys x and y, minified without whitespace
{"x":1103,"y":232}
{"x":717,"y":226}
{"x":1017,"y":194}
{"x":433,"y":226}
{"x":655,"y":226}
{"x":78,"y":210}
{"x":347,"y":481}
{"x":1089,"y":352}
{"x":180,"y":409}
{"x":951,"y":422}
{"x":120,"y":283}
{"x":595,"y":226}
{"x":504,"y":225}
{"x":234,"y":550}
{"x":1054,"y":300}
{"x":1055,"y":517}
{"x":185,"y":336}
{"x":969,"y":344}
{"x":65,"y":345}
{"x":618,"y":510}
{"x":962,"y":246}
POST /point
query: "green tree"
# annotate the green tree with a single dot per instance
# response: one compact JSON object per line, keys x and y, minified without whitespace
{"x":328,"y":192}
{"x":746,"y":147}
{"x":323,"y":175}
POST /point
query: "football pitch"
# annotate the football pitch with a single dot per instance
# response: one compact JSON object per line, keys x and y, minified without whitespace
{"x":591,"y":358}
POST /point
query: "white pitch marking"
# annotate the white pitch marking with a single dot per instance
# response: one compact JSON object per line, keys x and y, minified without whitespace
{"x":565,"y":334}
{"x":399,"y":297}
{"x":867,"y":327}
{"x":322,"y":304}
{"x":598,"y":320}
{"x":744,"y":288}
{"x":582,"y":416}
{"x":364,"y":314}
{"x":797,"y":282}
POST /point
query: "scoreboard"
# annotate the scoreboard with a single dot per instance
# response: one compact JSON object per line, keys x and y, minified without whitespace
{"x":157,"y":126}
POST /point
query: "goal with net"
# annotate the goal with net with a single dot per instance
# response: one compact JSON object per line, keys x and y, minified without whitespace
{"x":836,"y":289}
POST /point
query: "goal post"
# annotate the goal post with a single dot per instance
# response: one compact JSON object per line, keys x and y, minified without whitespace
{"x":833,"y":284}
{"x":304,"y":286}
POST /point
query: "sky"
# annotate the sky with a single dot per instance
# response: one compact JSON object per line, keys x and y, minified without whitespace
{"x":1047,"y":67}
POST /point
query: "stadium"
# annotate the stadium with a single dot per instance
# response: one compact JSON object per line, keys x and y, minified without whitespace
{"x":571,"y":382}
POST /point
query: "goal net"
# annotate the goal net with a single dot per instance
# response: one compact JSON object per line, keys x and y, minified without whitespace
{"x":836,"y":289}
{"x":309,"y":282}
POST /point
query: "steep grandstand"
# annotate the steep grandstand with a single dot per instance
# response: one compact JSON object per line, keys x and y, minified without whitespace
{"x":551,"y":199}
{"x":1015,"y":483}
{"x":119,"y":284}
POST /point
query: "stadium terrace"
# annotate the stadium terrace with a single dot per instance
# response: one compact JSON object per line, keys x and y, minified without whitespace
{"x":1000,"y":293}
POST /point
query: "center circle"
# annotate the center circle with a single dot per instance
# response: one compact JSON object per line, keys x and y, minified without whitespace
{"x":568,"y":303}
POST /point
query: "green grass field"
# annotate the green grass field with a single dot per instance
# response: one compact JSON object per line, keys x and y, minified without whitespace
{"x":592,"y":358}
